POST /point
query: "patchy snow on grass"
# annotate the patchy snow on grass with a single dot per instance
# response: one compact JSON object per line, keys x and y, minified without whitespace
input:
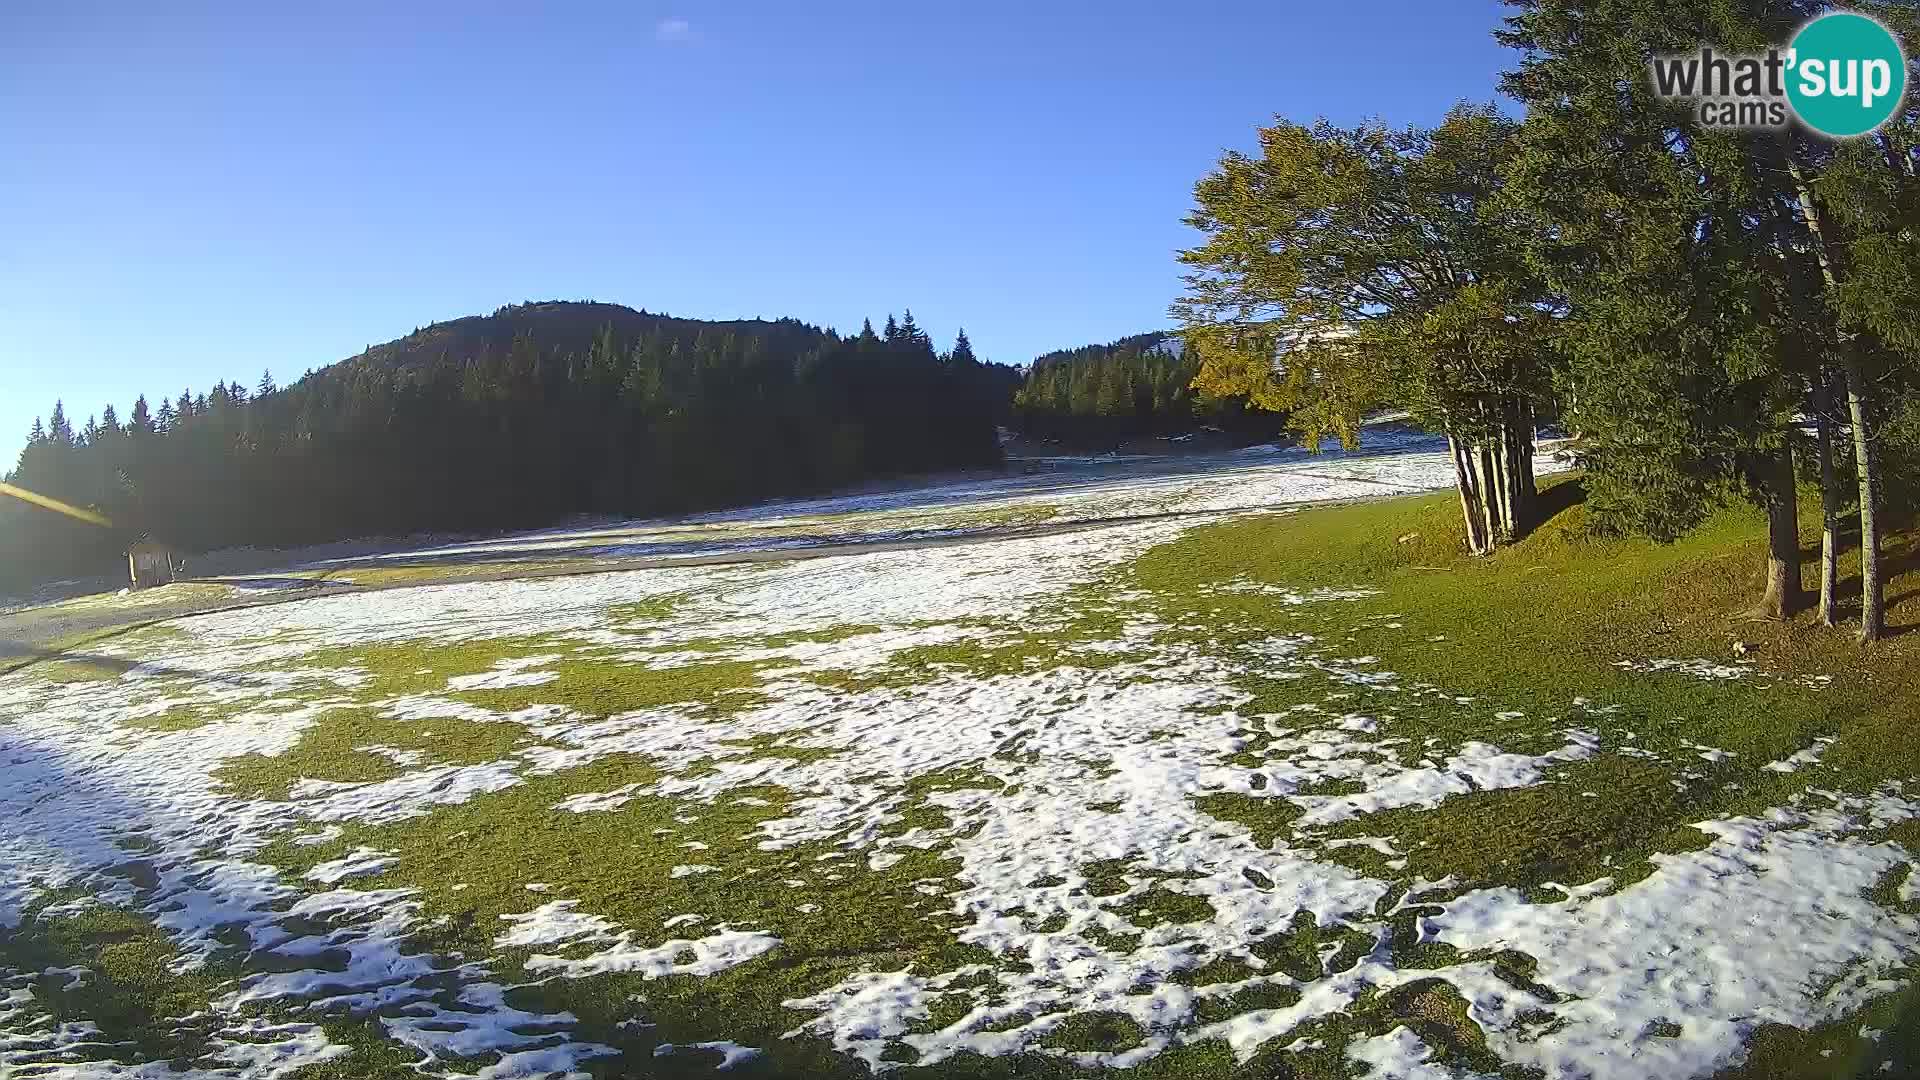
{"x":550,"y":924}
{"x":518,"y":671}
{"x":1696,"y":667}
{"x":1391,"y":461}
{"x":274,"y":1050}
{"x":1284,"y":595}
{"x":1714,"y":671}
{"x":1700,"y":944}
{"x":1477,"y":767}
{"x":731,"y":1053}
{"x":1399,"y":1054}
{"x":1064,"y":792}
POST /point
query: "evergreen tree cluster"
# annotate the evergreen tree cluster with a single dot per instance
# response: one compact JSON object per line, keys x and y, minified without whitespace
{"x":1713,"y":313}
{"x":1136,"y":387}
{"x":506,"y":423}
{"x":1724,"y":290}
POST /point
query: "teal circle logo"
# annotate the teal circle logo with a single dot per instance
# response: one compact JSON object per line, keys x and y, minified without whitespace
{"x":1846,"y":74}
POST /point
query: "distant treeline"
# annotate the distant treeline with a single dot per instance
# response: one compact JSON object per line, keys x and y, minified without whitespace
{"x":671,"y":415}
{"x":1136,"y":387}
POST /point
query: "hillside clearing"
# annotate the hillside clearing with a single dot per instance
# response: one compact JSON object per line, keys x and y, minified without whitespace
{"x":1291,"y":794}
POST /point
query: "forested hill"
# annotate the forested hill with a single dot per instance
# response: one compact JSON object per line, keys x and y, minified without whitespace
{"x":1154,"y":342}
{"x":563,"y":326}
{"x":1099,"y":396}
{"x":510,"y":420}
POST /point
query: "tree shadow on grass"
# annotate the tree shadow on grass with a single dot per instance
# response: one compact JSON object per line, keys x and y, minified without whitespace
{"x":109,"y":863}
{"x":1899,"y":559}
{"x":1553,"y":499}
{"x":16,"y":656}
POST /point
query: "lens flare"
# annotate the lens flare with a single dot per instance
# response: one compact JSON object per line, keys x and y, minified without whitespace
{"x":54,"y":505}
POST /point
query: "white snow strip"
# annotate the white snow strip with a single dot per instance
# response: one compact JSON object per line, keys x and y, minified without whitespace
{"x":551,"y":923}
{"x":1801,"y":759}
{"x":359,"y":862}
{"x":680,"y":956}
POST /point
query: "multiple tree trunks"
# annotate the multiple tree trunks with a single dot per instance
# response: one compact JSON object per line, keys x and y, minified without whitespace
{"x":1873,"y":616}
{"x":1826,"y":404}
{"x":1493,"y":470}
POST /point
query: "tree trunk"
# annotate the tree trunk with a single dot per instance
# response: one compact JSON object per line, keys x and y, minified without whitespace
{"x":1783,"y":596}
{"x":1829,"y":503}
{"x":1470,"y":509}
{"x":1873,"y":607}
{"x":1489,"y":485}
{"x":1487,"y":475}
{"x":1900,"y":161}
{"x":1495,"y":474}
{"x":1520,"y":431}
{"x":1495,"y":452}
{"x":1873,"y":615}
{"x":1499,"y":448}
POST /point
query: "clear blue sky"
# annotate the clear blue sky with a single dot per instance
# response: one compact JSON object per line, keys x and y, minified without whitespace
{"x":198,"y":195}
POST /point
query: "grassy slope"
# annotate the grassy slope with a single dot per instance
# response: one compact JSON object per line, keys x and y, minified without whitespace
{"x":1526,"y":630}
{"x":1544,"y":621}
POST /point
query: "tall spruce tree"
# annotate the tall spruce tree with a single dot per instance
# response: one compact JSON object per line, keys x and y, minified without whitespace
{"x":962,"y":350}
{"x":1682,"y":368}
{"x":58,"y":429}
{"x":1857,"y":206}
{"x":1792,"y":296}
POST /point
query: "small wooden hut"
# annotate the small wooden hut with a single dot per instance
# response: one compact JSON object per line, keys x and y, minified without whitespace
{"x":149,"y":563}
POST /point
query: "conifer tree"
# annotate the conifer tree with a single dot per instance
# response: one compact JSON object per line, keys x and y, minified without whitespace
{"x":1684,"y":350}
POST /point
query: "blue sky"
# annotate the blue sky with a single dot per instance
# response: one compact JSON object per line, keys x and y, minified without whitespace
{"x":206,"y":193}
